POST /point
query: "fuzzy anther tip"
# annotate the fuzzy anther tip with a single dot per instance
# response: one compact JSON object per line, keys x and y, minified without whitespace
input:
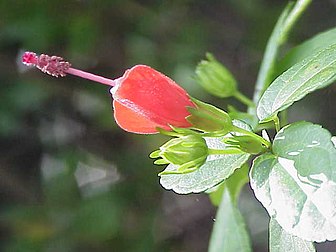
{"x":52,"y":65}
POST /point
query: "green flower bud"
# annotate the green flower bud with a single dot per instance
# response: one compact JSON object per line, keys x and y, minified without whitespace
{"x":187,"y":152}
{"x":246,"y":143}
{"x":215,"y":78}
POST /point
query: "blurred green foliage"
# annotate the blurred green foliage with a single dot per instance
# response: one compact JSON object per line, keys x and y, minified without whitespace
{"x":70,"y":179}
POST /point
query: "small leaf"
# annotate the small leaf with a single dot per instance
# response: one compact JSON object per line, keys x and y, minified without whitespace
{"x":229,"y":231}
{"x":216,"y":168}
{"x":313,"y":73}
{"x":281,"y":241}
{"x":313,"y":45}
{"x":296,"y":186}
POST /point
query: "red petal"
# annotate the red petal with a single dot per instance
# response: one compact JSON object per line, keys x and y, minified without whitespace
{"x":132,"y":121}
{"x":155,"y":96}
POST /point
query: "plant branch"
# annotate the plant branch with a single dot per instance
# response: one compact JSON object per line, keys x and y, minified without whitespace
{"x":243,"y":99}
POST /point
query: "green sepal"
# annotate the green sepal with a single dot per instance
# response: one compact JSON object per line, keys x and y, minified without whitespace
{"x":185,"y":168}
{"x":161,"y":162}
{"x":208,"y":118}
{"x":176,"y":132}
{"x":155,"y":154}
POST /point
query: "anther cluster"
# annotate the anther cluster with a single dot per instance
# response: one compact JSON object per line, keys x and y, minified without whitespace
{"x":53,"y":65}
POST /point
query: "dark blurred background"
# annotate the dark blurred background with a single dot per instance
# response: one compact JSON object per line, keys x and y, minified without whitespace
{"x":70,"y":179}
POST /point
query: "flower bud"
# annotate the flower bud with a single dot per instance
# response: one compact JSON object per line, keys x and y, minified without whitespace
{"x":215,"y":78}
{"x":187,"y":152}
{"x":145,"y":100}
{"x":246,"y":143}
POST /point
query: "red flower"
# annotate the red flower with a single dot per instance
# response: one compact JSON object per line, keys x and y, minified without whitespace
{"x":145,"y":99}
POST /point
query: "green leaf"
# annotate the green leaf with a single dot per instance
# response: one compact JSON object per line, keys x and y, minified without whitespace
{"x":229,"y":231}
{"x":310,"y":147}
{"x":216,"y":169}
{"x":281,"y":241}
{"x":233,"y":184}
{"x":313,"y":73}
{"x":243,"y":116}
{"x":313,"y":45}
{"x":216,"y":193}
{"x":333,"y":140}
{"x":279,"y":35}
{"x":297,"y":184}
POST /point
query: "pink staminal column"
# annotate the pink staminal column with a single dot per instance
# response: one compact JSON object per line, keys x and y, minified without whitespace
{"x":56,"y":66}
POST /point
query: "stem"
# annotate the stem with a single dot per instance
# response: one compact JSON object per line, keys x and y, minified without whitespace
{"x":255,"y":136}
{"x":243,"y":99}
{"x":283,"y":117}
{"x":225,"y":151}
{"x":278,"y":37}
{"x":276,"y":123}
{"x":90,"y":76}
